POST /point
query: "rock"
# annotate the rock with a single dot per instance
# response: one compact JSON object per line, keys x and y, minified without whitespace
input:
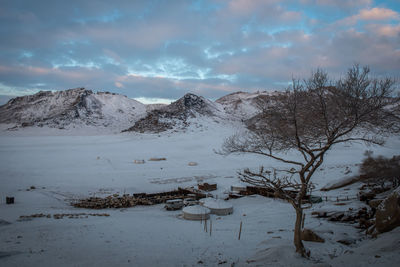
{"x":366,"y":196}
{"x":347,"y":241}
{"x":319,"y":214}
{"x":388,"y":212}
{"x":374,"y":203}
{"x":3,"y":222}
{"x":309,"y":235}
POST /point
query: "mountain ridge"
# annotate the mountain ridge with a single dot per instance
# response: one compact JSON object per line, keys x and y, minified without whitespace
{"x":81,"y":107}
{"x":61,"y":109}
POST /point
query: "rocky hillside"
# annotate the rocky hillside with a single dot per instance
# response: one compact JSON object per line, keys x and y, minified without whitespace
{"x":178,"y":114}
{"x":80,"y":107}
{"x":71,"y":107}
{"x":245,"y":105}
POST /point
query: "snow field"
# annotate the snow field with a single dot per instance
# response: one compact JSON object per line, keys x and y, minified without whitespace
{"x":71,"y":166}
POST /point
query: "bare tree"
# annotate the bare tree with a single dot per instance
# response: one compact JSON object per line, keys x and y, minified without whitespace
{"x":309,"y":118}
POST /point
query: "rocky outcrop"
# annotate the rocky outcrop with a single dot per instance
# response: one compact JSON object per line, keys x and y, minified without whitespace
{"x":176,"y":115}
{"x":244,"y":105}
{"x":388,"y":213}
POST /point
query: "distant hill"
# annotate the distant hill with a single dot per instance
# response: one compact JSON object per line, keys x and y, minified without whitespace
{"x":80,"y":108}
{"x":178,"y":114}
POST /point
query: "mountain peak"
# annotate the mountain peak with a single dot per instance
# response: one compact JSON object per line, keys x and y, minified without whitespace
{"x":190,"y":102}
{"x":77,"y":106}
{"x":176,"y":113}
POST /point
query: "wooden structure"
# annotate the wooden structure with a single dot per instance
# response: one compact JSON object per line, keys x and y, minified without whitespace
{"x":207,"y":187}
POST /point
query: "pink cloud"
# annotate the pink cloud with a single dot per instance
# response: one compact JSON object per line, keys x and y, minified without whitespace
{"x":373,"y":14}
{"x":160,"y":84}
{"x":385,"y":30}
{"x":118,"y":84}
{"x":377,"y":13}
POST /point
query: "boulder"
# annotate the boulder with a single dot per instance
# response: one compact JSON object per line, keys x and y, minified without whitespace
{"x":388,"y":212}
{"x":309,"y":235}
{"x":374,"y":203}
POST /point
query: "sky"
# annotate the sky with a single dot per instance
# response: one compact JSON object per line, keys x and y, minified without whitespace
{"x":157,"y":51}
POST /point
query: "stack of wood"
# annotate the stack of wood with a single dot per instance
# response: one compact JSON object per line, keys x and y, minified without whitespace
{"x":126,"y":201}
{"x":207,"y":187}
{"x":61,"y":216}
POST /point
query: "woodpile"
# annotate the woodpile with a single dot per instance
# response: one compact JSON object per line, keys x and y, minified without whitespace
{"x":58,"y":216}
{"x":125,"y":201}
{"x":157,"y":159}
{"x":207,"y":187}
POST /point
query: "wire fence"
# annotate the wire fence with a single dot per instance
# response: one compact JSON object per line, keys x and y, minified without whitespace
{"x":338,"y":198}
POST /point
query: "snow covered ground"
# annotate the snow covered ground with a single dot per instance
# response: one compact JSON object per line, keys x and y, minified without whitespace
{"x":65,"y":165}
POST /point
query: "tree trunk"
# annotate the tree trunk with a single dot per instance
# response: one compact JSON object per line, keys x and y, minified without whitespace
{"x":297,"y":232}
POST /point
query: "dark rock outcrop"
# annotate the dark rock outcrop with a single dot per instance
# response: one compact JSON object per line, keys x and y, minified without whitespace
{"x":388,"y":213}
{"x":175,"y":115}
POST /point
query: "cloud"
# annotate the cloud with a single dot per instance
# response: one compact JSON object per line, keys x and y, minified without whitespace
{"x":377,"y":13}
{"x":373,"y":14}
{"x":344,"y":3}
{"x":162,"y":49}
{"x":244,"y":7}
{"x":384,"y":30}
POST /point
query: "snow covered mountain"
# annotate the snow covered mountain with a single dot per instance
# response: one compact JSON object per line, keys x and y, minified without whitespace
{"x":73,"y":107}
{"x":245,"y":105}
{"x":179,"y":114}
{"x":80,"y":108}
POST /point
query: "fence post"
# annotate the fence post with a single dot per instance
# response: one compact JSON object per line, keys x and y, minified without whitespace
{"x":240,"y":230}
